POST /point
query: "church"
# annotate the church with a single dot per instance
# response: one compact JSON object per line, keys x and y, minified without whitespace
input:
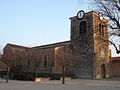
{"x":86,"y":54}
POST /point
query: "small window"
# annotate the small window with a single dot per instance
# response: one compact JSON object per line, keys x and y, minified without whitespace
{"x":102,"y":54}
{"x":101,"y":31}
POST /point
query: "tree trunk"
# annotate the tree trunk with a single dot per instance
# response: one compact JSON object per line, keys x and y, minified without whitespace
{"x":7,"y":77}
{"x":36,"y":74}
{"x":63,"y":75}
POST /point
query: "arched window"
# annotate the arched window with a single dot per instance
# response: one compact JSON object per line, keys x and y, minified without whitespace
{"x":82,"y":31}
{"x":28,"y":62}
{"x":83,"y":27}
{"x":45,"y":61}
{"x":103,"y":71}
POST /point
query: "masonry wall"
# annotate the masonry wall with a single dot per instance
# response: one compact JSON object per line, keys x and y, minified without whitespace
{"x":115,"y":68}
{"x":3,"y":66}
{"x":62,"y":57}
{"x":38,"y":60}
{"x":101,"y":48}
{"x":10,"y":53}
{"x":82,"y":47}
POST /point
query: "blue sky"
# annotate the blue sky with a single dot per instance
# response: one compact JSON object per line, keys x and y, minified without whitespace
{"x":37,"y":22}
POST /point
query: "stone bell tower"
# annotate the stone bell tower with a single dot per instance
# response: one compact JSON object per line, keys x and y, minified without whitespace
{"x":86,"y":28}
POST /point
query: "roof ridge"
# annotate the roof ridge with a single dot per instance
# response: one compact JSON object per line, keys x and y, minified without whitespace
{"x":14,"y":45}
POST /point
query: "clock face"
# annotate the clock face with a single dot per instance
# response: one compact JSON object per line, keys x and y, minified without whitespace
{"x":80,"y":14}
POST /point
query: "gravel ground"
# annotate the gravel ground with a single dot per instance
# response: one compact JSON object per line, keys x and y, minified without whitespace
{"x":56,"y":85}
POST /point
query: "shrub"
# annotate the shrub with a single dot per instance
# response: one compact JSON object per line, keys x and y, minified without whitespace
{"x":3,"y":73}
{"x":28,"y":75}
{"x":55,"y":76}
{"x":23,"y":76}
{"x":43,"y":75}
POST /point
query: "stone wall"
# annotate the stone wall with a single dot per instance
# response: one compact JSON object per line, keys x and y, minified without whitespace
{"x":82,"y":47}
{"x":101,"y":48}
{"x":37,"y":60}
{"x":91,"y":49}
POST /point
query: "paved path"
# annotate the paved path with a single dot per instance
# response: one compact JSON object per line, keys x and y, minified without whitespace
{"x":56,"y":85}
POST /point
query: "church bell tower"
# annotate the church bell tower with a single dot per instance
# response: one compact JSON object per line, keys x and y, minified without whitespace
{"x":87,"y":32}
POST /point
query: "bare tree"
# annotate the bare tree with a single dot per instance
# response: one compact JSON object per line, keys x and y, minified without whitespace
{"x":31,"y":61}
{"x":9,"y":60}
{"x":36,"y":62}
{"x":0,"y":52}
{"x":24,"y":61}
{"x":110,"y":10}
{"x":64,"y":56}
{"x":20,"y":62}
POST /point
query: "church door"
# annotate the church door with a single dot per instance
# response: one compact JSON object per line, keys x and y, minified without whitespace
{"x":103,"y":71}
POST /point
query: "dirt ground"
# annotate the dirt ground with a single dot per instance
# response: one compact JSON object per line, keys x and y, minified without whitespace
{"x":78,"y":84}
